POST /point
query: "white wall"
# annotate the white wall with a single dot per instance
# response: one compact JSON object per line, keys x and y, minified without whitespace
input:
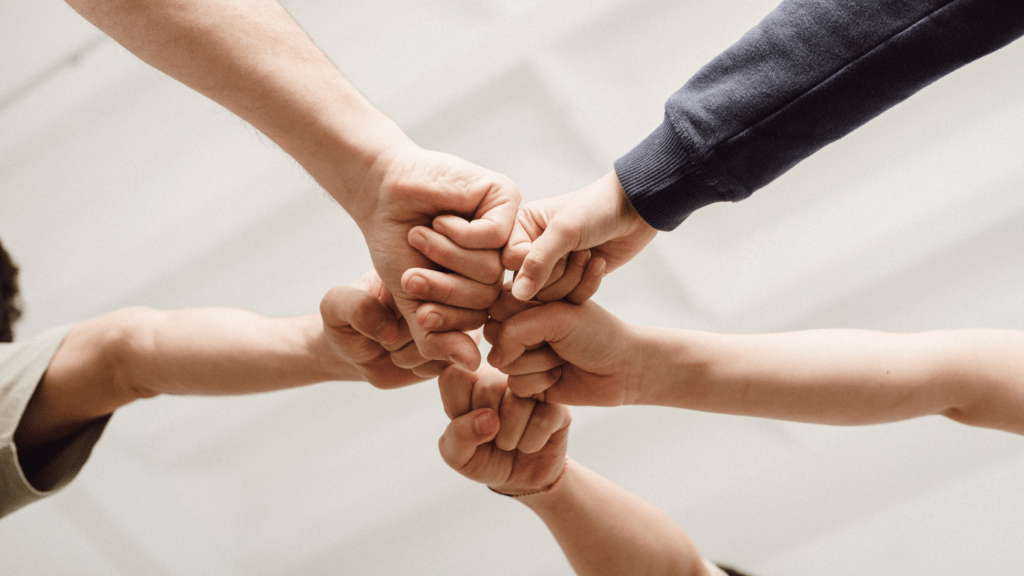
{"x":120,"y":187}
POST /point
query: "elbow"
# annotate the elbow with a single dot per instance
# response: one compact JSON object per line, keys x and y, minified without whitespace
{"x":988,"y":405}
{"x":128,"y":344}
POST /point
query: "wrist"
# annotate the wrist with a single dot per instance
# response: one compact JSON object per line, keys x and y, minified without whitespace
{"x":638,"y":359}
{"x":379,"y":160}
{"x":345,"y":144}
{"x":331,"y":366}
{"x":658,"y":363}
{"x":680,"y":366}
{"x":625,"y":214}
{"x":544,"y":486}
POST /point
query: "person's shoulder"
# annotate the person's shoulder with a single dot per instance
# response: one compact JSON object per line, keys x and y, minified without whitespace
{"x":21,"y":355}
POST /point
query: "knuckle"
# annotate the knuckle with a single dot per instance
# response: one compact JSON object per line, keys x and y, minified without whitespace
{"x":438,"y":251}
{"x":492,"y":272}
{"x":442,"y":290}
{"x":444,"y":447}
{"x":534,"y":260}
{"x":505,"y":443}
{"x":398,"y":359}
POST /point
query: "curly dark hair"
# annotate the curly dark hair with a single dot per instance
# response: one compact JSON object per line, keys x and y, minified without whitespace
{"x":10,"y":302}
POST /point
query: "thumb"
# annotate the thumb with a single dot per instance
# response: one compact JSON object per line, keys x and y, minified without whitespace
{"x":550,"y":322}
{"x":344,"y":306}
{"x":544,"y":253}
{"x":465,"y":434}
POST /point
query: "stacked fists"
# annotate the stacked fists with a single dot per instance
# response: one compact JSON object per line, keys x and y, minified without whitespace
{"x":507,"y":429}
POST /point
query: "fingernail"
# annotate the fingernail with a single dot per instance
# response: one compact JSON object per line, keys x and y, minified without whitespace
{"x":387,"y":332}
{"x":600,"y":266}
{"x":523,"y":288}
{"x":580,"y":258}
{"x":417,"y":285}
{"x":433,"y":320}
{"x":418,"y":241}
{"x":484,"y":424}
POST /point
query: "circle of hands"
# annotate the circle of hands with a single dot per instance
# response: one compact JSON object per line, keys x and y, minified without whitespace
{"x":442,"y":234}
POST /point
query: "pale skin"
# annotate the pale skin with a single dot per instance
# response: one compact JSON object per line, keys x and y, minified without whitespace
{"x":846,"y":377}
{"x":254,"y":59}
{"x":115,"y":359}
{"x":517,"y":446}
{"x":597,"y":217}
{"x":602,"y":528}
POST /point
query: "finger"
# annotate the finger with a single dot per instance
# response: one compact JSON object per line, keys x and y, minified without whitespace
{"x":456,"y":387}
{"x":491,"y":328}
{"x":531,"y":362}
{"x":465,"y":434}
{"x":408,"y":356}
{"x":530,"y":223}
{"x":404,"y":337}
{"x":507,"y":305}
{"x":489,"y":389}
{"x":344,"y":306}
{"x":371,"y":282}
{"x":544,"y":254}
{"x":457,"y":347}
{"x":556,"y":272}
{"x":434,"y":317}
{"x":514,"y":414}
{"x":548,"y":323}
{"x":484,"y":266}
{"x":431,"y":369}
{"x":590,"y":283}
{"x":492,"y":221}
{"x":569,"y":279}
{"x":545,"y":421}
{"x":451,"y":289}
{"x":536,"y":384}
{"x":513,"y":255}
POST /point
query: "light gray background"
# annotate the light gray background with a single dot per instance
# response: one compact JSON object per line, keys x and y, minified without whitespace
{"x":121,"y":187}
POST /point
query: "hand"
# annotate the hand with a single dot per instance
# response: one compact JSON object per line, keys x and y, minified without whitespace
{"x":412,"y":187}
{"x":514,"y":445}
{"x":591,"y":359}
{"x":363,"y":329}
{"x":597,"y":216}
{"x":576,"y":278}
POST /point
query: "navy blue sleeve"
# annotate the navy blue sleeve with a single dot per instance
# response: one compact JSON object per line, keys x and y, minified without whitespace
{"x":808,"y":74}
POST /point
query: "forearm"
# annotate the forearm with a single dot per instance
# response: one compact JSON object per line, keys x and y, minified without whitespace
{"x":811,"y":72}
{"x":219,"y":351}
{"x":112,"y":360}
{"x":251,"y":57}
{"x":604,"y":529}
{"x":843,"y":376}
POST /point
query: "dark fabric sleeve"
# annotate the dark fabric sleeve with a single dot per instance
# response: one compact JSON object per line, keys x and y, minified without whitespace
{"x":808,"y":74}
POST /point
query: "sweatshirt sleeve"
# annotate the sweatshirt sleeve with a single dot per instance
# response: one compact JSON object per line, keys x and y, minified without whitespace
{"x":808,"y":74}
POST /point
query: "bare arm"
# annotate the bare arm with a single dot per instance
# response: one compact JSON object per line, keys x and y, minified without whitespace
{"x":604,"y":529}
{"x":114,"y":359}
{"x":251,"y":57}
{"x":847,"y":376}
{"x":974,"y":376}
{"x":254,"y":59}
{"x":601,"y":527}
{"x":111,"y":360}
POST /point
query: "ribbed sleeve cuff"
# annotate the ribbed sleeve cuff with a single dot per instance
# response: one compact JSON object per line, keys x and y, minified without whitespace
{"x":666,"y":181}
